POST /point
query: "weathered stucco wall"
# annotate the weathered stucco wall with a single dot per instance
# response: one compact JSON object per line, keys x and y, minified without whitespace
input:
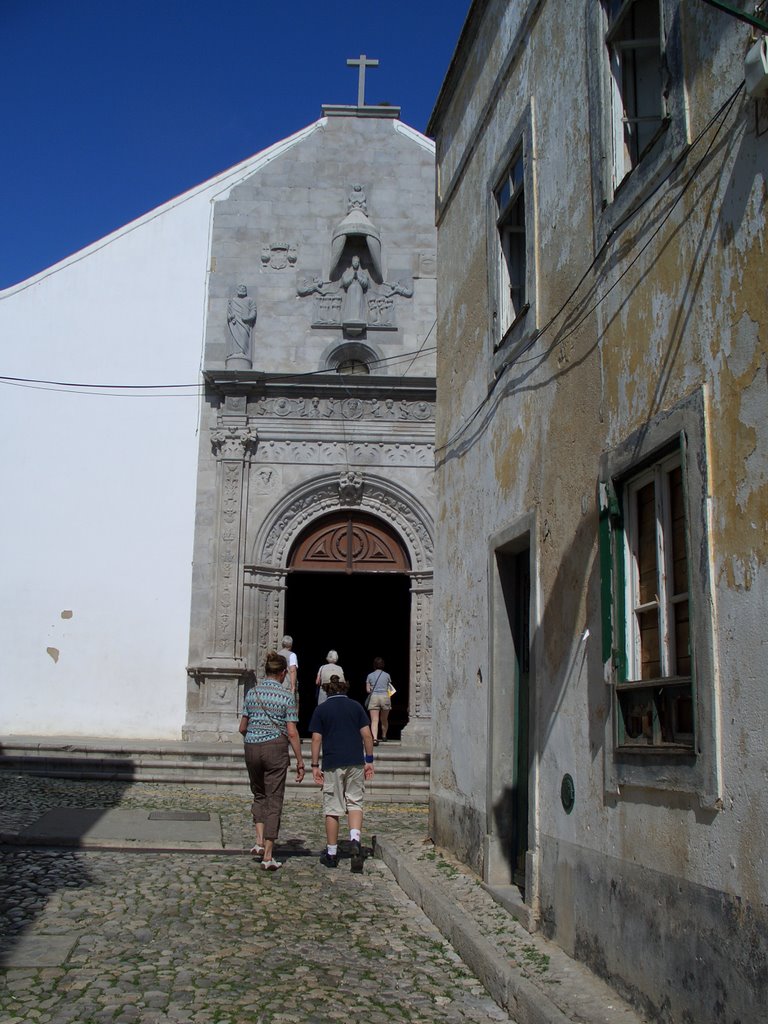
{"x":673,"y":311}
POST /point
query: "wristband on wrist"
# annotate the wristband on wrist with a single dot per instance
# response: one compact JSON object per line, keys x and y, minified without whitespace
{"x":369,"y":758}
{"x":314,"y":766}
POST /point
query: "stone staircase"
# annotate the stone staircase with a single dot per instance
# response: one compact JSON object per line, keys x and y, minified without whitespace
{"x":402,"y":773}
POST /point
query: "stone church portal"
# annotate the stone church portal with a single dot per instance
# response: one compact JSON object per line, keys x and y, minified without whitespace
{"x":315,"y":503}
{"x":348,"y":589}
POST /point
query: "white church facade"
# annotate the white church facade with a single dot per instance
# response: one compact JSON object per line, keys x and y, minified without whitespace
{"x":278,"y":481}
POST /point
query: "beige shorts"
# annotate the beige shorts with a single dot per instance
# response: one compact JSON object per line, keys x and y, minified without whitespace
{"x":343,"y":790}
{"x":379,"y":702}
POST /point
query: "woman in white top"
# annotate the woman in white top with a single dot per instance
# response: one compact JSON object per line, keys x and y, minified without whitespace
{"x":324,"y":673}
{"x":379,"y":705}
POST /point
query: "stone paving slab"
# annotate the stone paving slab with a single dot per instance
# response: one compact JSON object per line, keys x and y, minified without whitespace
{"x":137,"y":828}
{"x":37,"y":951}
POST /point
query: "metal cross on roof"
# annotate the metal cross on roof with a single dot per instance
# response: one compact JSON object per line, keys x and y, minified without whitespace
{"x":362,"y":63}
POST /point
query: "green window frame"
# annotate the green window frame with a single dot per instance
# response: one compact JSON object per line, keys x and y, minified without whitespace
{"x":662,"y":761}
{"x":645,"y":560}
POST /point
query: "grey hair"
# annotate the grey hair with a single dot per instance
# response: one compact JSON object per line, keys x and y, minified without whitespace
{"x":332,"y":656}
{"x":287,"y":641}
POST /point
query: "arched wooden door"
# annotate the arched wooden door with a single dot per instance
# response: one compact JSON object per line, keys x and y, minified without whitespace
{"x":349,"y":589}
{"x":349,"y":542}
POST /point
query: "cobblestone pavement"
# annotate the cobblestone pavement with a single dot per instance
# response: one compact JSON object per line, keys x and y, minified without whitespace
{"x":184,"y":938}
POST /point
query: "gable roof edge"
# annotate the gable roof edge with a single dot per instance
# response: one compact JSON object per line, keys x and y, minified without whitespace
{"x":416,"y":136}
{"x":221,"y":183}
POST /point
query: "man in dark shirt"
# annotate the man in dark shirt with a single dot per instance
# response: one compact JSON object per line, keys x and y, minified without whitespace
{"x":340,"y":726}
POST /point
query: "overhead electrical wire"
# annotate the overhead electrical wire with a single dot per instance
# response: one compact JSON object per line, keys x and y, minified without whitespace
{"x":723,"y":110}
{"x":119,"y":390}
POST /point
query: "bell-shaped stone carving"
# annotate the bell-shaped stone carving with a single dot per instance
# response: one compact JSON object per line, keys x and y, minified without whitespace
{"x":357,"y":224}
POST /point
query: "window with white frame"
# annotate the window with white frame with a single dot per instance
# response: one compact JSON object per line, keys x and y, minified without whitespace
{"x":655,"y":701}
{"x":509,"y":198}
{"x":637,"y":61}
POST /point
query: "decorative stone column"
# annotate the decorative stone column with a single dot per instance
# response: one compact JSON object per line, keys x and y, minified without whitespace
{"x":418,"y":731}
{"x":212,"y":711}
{"x":264,"y":611}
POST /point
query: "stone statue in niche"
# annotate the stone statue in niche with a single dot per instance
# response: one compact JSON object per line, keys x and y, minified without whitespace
{"x":354,"y":310}
{"x":241,"y":316}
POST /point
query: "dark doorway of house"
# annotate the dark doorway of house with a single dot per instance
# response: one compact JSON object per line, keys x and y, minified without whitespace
{"x":360,"y":615}
{"x":515,"y":579}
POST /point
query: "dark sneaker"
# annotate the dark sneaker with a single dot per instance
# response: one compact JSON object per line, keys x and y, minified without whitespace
{"x":357,"y":856}
{"x":330,"y":860}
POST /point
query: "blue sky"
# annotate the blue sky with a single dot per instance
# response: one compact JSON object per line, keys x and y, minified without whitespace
{"x":111,"y":108}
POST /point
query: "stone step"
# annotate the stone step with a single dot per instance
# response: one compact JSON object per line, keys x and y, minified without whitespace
{"x":402,"y":774}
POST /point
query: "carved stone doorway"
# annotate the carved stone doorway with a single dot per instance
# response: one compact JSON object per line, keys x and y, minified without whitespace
{"x":349,"y":589}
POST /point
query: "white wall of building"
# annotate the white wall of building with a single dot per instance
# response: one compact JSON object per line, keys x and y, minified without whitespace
{"x":98,"y":507}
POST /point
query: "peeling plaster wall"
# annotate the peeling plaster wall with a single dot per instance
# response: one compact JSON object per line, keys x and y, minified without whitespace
{"x":648,"y":330}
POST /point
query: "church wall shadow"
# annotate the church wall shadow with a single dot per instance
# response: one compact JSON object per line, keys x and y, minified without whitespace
{"x":32,"y":871}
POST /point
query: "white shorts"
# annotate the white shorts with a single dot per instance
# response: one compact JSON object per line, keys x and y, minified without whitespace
{"x":343,"y":790}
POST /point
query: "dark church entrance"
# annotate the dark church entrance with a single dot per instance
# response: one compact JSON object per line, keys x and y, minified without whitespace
{"x":348,"y":590}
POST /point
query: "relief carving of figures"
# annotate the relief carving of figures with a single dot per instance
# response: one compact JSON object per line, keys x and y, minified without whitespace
{"x":356,"y":297}
{"x":327,"y":309}
{"x":347,"y":409}
{"x":233,"y":442}
{"x":352,"y":409}
{"x":317,"y":286}
{"x":381,"y":311}
{"x":381,"y":305}
{"x":353,"y":303}
{"x":398,"y":288}
{"x":357,"y":200}
{"x":241,"y":316}
{"x":351,"y":488}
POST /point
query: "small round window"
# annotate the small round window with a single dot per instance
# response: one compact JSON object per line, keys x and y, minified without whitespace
{"x":353,"y":358}
{"x":352,"y":366}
